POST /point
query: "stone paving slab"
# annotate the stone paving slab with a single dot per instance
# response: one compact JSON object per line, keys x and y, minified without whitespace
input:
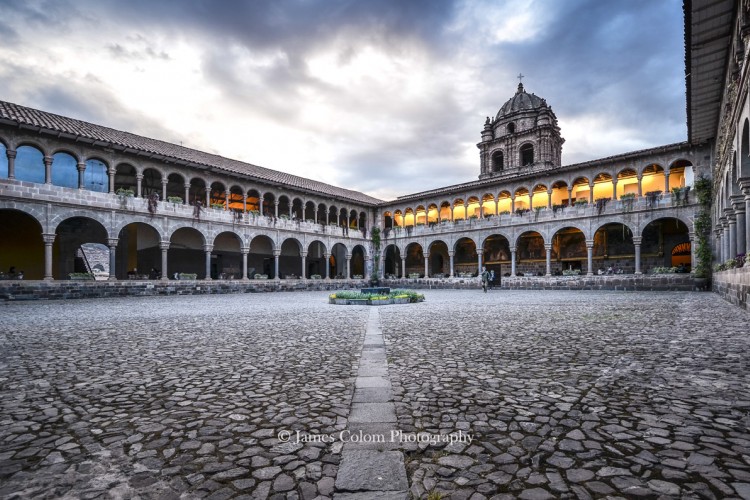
{"x":372,"y":470}
{"x":372,"y":395}
{"x":369,"y":382}
{"x":373,"y":413}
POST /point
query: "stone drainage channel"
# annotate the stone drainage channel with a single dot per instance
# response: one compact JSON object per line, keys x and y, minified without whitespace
{"x":372,"y":466}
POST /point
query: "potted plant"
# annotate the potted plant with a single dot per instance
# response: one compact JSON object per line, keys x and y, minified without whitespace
{"x":81,"y":276}
{"x":177,"y":200}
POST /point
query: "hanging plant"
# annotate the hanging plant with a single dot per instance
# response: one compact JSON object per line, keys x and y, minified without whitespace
{"x":153,"y":202}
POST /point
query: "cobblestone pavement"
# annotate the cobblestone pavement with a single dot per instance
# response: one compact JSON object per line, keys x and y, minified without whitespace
{"x":168,"y":396}
{"x":565,"y":394}
{"x":574,"y":394}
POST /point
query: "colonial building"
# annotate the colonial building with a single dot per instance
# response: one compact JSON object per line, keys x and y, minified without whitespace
{"x":154,"y":208}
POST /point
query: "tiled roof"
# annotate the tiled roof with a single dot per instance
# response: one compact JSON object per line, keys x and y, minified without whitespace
{"x":22,"y":115}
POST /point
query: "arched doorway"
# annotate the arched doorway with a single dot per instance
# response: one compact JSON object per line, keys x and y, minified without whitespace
{"x":357,"y":264}
{"x":392,"y":262}
{"x":530,"y":255}
{"x":569,"y":251}
{"x":226,"y":257}
{"x":439,"y":265}
{"x":65,"y":170}
{"x":659,"y":240}
{"x":414,"y":259}
{"x":614,"y":251}
{"x":68,"y":255}
{"x":260,"y":259}
{"x":21,"y":245}
{"x":465,"y":258}
{"x":290,"y":260}
{"x":496,"y":256}
{"x":337,"y":261}
{"x":316,"y":261}
{"x":186,"y":253}
{"x":138,"y":251}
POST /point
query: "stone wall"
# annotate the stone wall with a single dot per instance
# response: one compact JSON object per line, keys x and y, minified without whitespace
{"x":733,"y":286}
{"x":38,"y":290}
{"x":625,"y":282}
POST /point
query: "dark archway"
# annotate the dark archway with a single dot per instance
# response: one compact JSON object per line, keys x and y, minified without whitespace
{"x":226,"y":257}
{"x":568,"y":251}
{"x":531,"y":257}
{"x":21,"y":245}
{"x":496,"y":255}
{"x":392,"y":262}
{"x":465,"y":258}
{"x":260,"y":259}
{"x":290,"y":260}
{"x":439,"y":265}
{"x":186,"y":253}
{"x":138,"y":251}
{"x":67,"y":254}
{"x":357,"y":263}
{"x":659,"y":238}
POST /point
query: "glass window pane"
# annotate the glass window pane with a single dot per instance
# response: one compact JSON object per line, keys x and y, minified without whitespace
{"x":95,"y":176}
{"x":29,"y":164}
{"x":64,"y":170}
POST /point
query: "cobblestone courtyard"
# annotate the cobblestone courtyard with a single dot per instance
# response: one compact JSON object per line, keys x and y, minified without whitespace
{"x":565,"y":394}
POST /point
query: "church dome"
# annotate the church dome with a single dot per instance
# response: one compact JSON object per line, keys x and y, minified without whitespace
{"x":522,"y":101}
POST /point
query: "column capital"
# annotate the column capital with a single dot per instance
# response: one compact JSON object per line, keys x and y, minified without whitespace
{"x":512,"y":249}
{"x":427,"y":255}
{"x":139,"y":177}
{"x":589,"y":243}
{"x":637,"y":240}
{"x":82,"y":166}
{"x":276,"y":253}
{"x":187,"y":185}
{"x":303,"y":254}
{"x":208,"y":248}
{"x":548,"y":246}
{"x":112,"y":242}
{"x":326,"y":255}
{"x":164,"y":181}
{"x":728,"y":212}
{"x":49,"y":238}
{"x":244,"y":250}
{"x":480,"y":251}
{"x":738,"y":202}
{"x":11,"y":153}
{"x":744,"y":183}
{"x":47,"y":160}
{"x":451,"y":253}
{"x":164,"y":245}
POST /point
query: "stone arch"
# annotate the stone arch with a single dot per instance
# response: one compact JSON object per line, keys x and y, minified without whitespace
{"x":745,"y":152}
{"x":290,"y":258}
{"x":445,"y":210}
{"x":285,"y":207}
{"x":253,"y":203}
{"x":21,"y":244}
{"x":459,"y":211}
{"x":681,"y":174}
{"x":496,"y":254}
{"x":398,"y":218}
{"x":186,"y":252}
{"x":659,"y":237}
{"x":540,"y":198}
{"x":269,"y":204}
{"x":526,"y":154}
{"x":337,"y":260}
{"x":138,"y":249}
{"x":357,"y":262}
{"x":521,"y":199}
{"x":125,"y":177}
{"x":29,"y":164}
{"x":627,"y":182}
{"x":175,"y":187}
{"x":439,"y":258}
{"x":298,"y":209}
{"x":392,"y":260}
{"x":151,"y":182}
{"x":236,"y":198}
{"x":409,"y":217}
{"x":465,"y":256}
{"x":652,"y":178}
{"x":504,"y":203}
{"x":197,"y":191}
{"x":59,"y":218}
{"x":603,"y":186}
{"x":559,"y":193}
{"x":73,"y":232}
{"x":218,"y":195}
{"x":568,"y":249}
{"x":316,"y":261}
{"x":3,"y":159}
{"x":531,"y":257}
{"x":498,"y":161}
{"x":414,"y":254}
{"x":581,"y":189}
{"x":260,"y":259}
{"x":363,"y":221}
{"x":473,"y":207}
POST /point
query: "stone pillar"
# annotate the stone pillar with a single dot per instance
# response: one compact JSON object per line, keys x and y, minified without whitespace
{"x":276,"y":255}
{"x":208,"y":197}
{"x":614,"y":188}
{"x":164,"y":245}
{"x":164,"y":183}
{"x":732,"y":223}
{"x":427,"y":265}
{"x":327,"y":258}
{"x":111,"y":175}
{"x":480,"y":254}
{"x":49,"y":240}
{"x":226,"y":199}
{"x":513,"y":262}
{"x":590,"y":257}
{"x":591,"y":193}
{"x":725,"y":240}
{"x":738,"y":203}
{"x":548,"y":251}
{"x":48,"y":170}
{"x":207,"y":249}
{"x":640,"y":186}
{"x":513,"y":204}
{"x":276,"y":208}
{"x":531,"y":200}
{"x":367,"y":268}
{"x":81,"y":170}
{"x":244,"y":203}
{"x":348,"y":266}
{"x":570,"y":196}
{"x":450,"y":257}
{"x":746,"y":192}
{"x":11,"y":154}
{"x":403,"y":267}
{"x":637,"y":245}
{"x":303,"y":274}
{"x":666,"y":182}
{"x":185,"y":200}
{"x":549,"y":199}
{"x":691,"y":237}
{"x":451,"y":208}
{"x":719,"y":244}
{"x":244,"y":251}
{"x":112,"y":244}
{"x":138,"y":185}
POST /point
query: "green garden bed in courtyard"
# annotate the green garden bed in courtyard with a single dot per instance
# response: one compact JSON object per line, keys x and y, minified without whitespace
{"x":367,"y":299}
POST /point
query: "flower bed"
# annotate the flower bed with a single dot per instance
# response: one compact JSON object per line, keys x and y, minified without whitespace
{"x":361,"y":299}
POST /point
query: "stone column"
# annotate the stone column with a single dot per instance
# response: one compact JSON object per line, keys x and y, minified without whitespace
{"x":276,"y":255}
{"x":614,"y":188}
{"x":226,"y":199}
{"x":450,"y":258}
{"x":451,"y":208}
{"x":276,"y":208}
{"x":513,"y":204}
{"x":732,"y":223}
{"x":403,"y":267}
{"x":138,"y":185}
{"x":691,"y":237}
{"x":637,"y":245}
{"x":738,"y":203}
{"x":640,"y":186}
{"x":244,"y":203}
{"x":548,"y":251}
{"x":164,"y":183}
{"x":746,"y":191}
{"x":49,"y":240}
{"x":570,"y":196}
{"x":427,"y":265}
{"x":513,"y":262}
{"x":590,"y":257}
{"x":549,"y":199}
{"x":208,"y":197}
{"x":531,"y":200}
{"x":303,"y":274}
{"x":81,"y":170}
{"x":185,"y":200}
{"x":480,"y":254}
{"x":111,"y":175}
{"x":112,"y":243}
{"x":207,"y":249}
{"x":666,"y":182}
{"x":719,"y":244}
{"x":327,"y":258}
{"x":11,"y":154}
{"x":591,"y":193}
{"x":244,"y":251}
{"x":367,"y":268}
{"x":48,"y":170}
{"x":725,"y":239}
{"x":164,"y":245}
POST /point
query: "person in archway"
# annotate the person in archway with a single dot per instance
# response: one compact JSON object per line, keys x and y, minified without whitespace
{"x":485,"y":278}
{"x":492,"y":279}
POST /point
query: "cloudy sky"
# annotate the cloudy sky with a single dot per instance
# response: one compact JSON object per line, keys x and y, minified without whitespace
{"x":386,"y":97}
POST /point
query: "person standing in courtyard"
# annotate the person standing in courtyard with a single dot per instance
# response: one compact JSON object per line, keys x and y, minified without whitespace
{"x":485,"y":278}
